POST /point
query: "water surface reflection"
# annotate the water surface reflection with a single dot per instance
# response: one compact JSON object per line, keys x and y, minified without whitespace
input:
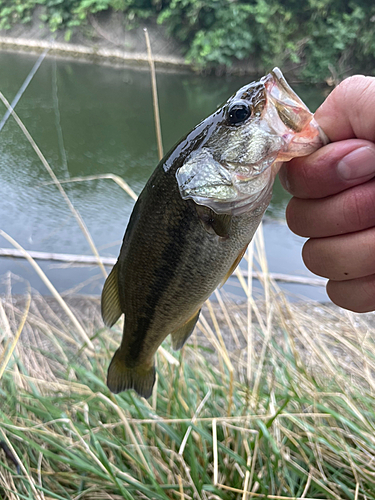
{"x":88,"y":120}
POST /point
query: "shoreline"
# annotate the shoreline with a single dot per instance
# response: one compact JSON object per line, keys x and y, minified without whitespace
{"x":107,"y":40}
{"x":95,"y":54}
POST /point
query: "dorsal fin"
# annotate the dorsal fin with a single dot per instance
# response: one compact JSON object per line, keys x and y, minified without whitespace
{"x":110,"y":302}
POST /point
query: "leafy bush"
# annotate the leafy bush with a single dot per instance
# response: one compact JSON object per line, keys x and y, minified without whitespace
{"x":326,"y":37}
{"x":219,"y":31}
{"x":322,"y":37}
{"x":63,"y":14}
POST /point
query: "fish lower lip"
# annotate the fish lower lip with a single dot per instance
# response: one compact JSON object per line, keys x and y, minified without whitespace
{"x":244,"y":177}
{"x":251,"y":172}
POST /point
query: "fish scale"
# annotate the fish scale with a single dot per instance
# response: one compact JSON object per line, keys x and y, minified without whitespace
{"x":195,"y":218}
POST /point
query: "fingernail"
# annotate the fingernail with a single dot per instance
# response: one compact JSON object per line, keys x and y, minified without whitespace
{"x":357,"y":164}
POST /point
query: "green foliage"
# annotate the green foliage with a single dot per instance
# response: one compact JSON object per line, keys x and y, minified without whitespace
{"x":218,"y":32}
{"x":66,"y":14}
{"x":12,"y":12}
{"x":341,"y":42}
{"x":324,"y":38}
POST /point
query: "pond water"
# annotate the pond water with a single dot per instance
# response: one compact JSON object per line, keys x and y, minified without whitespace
{"x":88,"y":120}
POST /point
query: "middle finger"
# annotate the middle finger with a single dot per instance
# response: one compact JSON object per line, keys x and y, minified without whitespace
{"x":349,"y":211}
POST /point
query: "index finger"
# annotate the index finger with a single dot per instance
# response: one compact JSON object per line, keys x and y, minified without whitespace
{"x":321,"y":173}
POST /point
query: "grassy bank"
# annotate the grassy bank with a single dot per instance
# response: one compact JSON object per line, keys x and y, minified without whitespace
{"x":269,"y":399}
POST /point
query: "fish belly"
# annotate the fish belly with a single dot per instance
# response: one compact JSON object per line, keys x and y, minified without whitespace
{"x":172,"y":272}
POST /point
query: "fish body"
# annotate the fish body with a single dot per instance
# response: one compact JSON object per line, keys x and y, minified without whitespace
{"x":195,"y":218}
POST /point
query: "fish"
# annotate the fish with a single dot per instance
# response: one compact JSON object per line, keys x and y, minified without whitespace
{"x":194,"y":219}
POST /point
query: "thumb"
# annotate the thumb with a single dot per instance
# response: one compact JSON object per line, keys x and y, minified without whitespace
{"x":349,"y":111}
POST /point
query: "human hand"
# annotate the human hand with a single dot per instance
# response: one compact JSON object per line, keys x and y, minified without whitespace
{"x":334,"y":196}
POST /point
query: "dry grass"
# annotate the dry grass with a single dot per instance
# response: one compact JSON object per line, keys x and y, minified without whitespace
{"x":268,"y":400}
{"x":291,"y":417}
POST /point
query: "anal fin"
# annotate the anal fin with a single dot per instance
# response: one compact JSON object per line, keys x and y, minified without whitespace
{"x":234,"y":265}
{"x":121,"y":378}
{"x":180,"y":336}
{"x":110,"y":301}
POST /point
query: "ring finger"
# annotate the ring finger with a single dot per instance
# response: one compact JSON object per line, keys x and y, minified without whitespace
{"x":343,"y":257}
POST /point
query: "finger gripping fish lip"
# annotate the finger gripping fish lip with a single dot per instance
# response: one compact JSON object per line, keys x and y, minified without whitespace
{"x":229,"y":165}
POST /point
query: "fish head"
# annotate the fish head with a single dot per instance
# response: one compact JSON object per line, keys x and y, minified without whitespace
{"x":261,"y":126}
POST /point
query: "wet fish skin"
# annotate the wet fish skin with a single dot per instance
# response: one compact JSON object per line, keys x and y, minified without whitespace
{"x":165,"y":269}
{"x":176,"y":251}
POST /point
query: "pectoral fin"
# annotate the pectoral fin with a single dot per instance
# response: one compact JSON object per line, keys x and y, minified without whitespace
{"x":180,"y":336}
{"x":213,"y":222}
{"x":110,"y":302}
{"x":234,"y":265}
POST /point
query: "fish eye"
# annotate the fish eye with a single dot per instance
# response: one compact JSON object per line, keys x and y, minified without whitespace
{"x":238,"y":112}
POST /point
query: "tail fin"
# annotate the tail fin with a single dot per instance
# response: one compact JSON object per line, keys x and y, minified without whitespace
{"x":120,"y":377}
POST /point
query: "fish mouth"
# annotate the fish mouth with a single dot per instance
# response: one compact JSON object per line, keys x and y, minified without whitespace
{"x":292,"y":111}
{"x":225,"y":188}
{"x":228,"y":186}
{"x":248,"y":196}
{"x":238,"y":193}
{"x":294,"y":122}
{"x":251,"y":171}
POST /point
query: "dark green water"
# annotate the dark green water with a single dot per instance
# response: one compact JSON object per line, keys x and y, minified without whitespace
{"x":88,"y":120}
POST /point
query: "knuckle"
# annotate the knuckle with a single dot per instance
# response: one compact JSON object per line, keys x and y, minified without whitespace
{"x":359,"y":207}
{"x":358,"y":93}
{"x":335,"y":293}
{"x":368,"y":288}
{"x":299,"y":176}
{"x":302,"y":218}
{"x":354,"y":87}
{"x":339,"y":294}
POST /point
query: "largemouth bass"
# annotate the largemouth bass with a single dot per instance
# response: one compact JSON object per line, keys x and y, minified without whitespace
{"x":195,"y":218}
